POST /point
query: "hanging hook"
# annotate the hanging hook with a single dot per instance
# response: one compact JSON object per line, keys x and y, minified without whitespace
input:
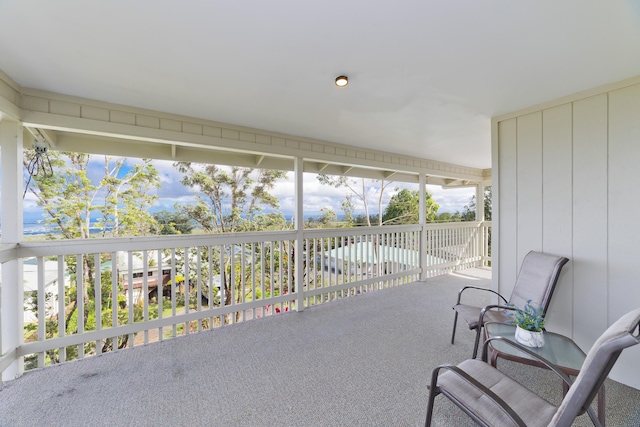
{"x":40,"y":164}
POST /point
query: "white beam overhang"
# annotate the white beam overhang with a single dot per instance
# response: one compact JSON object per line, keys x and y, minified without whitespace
{"x":77,"y":124}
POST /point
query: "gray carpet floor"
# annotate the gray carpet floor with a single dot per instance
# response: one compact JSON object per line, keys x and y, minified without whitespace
{"x":361,"y":361}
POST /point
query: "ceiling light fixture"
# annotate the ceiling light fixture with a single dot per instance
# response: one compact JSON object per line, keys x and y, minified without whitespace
{"x":342,"y":81}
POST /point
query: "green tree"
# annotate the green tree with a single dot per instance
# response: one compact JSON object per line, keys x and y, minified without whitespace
{"x":404,"y":207}
{"x":348,"y":208}
{"x":328,"y":217}
{"x":444,"y":217}
{"x":469,"y":213}
{"x":176,"y":222}
{"x":233,"y":201}
{"x":118,"y":203}
{"x":358,"y":188}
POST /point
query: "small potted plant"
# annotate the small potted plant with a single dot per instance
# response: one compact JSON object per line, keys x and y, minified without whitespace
{"x":529,"y":323}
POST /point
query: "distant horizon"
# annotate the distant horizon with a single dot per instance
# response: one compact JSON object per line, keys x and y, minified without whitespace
{"x":31,"y":226}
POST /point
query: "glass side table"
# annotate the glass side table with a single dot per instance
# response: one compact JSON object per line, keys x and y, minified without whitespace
{"x":558,"y":349}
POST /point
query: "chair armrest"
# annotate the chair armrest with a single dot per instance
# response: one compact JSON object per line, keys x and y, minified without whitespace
{"x":489,"y":307}
{"x":479,"y":289}
{"x":524,"y":349}
{"x":473,"y":382}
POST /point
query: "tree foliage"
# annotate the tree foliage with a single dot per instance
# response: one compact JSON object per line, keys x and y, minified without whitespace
{"x":232,"y":201}
{"x":176,"y":222}
{"x":358,"y":188}
{"x":117,"y":205}
{"x":404,"y":207}
{"x":469,"y":213}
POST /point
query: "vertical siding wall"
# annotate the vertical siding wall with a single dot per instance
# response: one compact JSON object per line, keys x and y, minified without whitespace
{"x":567,"y":181}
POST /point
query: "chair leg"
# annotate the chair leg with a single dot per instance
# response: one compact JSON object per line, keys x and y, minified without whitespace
{"x":477,"y":343}
{"x":455,"y":322}
{"x":432,"y":397}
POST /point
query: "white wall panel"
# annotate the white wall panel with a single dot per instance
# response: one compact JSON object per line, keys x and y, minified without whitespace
{"x":557,"y":209}
{"x":569,"y":186}
{"x":624,"y":204}
{"x":590,"y":126}
{"x":507,"y":174}
{"x":529,"y":164}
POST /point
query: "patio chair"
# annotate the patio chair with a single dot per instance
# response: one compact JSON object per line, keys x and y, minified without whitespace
{"x":536,"y":282}
{"x":491,"y":398}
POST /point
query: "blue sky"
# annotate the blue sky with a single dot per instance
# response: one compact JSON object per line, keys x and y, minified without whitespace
{"x":316,"y":196}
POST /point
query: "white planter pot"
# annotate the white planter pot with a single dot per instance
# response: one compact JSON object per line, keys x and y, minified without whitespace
{"x":529,"y":338}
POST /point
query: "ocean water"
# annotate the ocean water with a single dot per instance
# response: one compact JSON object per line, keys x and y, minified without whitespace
{"x":41,"y":229}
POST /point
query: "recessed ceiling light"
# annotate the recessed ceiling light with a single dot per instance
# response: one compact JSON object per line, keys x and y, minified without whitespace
{"x":342,"y":81}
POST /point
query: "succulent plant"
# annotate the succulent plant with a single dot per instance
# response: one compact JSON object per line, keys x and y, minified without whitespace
{"x":529,"y":317}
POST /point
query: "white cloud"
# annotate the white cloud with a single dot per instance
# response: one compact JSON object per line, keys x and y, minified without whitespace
{"x":451,"y":199}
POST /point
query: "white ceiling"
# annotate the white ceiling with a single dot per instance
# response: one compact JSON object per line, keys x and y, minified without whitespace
{"x":425,"y":76}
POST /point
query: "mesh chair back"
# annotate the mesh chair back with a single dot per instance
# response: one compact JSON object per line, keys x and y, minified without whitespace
{"x":597,"y":366}
{"x":537,"y":279}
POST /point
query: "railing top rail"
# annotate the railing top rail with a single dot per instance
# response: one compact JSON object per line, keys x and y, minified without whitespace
{"x":463,"y":224}
{"x":334,"y":232}
{"x":71,"y":247}
{"x":7,"y":251}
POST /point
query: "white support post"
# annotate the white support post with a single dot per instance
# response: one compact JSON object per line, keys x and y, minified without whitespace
{"x":422,"y":219}
{"x":480,"y":201}
{"x":11,"y":288}
{"x":480,"y":218}
{"x":299,"y":224}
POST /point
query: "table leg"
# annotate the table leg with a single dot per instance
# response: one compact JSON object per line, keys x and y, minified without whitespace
{"x":601,"y":414}
{"x":601,"y":400}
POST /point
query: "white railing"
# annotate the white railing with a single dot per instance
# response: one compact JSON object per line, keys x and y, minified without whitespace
{"x":90,"y":296}
{"x":455,"y":246}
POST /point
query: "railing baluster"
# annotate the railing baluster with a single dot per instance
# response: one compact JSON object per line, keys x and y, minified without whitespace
{"x":223,"y":286}
{"x":210,"y":278}
{"x":97,"y":298}
{"x":173,"y":291}
{"x":325,"y":269}
{"x":160,"y":292}
{"x":80,"y":300}
{"x":62,"y":298}
{"x":263,"y":259}
{"x":114,"y":297}
{"x":241,"y":280}
{"x":145,"y":292}
{"x":42,"y":316}
{"x":186,"y":289}
{"x":281,"y":252}
{"x":232,"y":278}
{"x":253,"y":274}
{"x":199,"y":285}
{"x":130,"y":300}
{"x":288,"y":264}
{"x":308,"y":268}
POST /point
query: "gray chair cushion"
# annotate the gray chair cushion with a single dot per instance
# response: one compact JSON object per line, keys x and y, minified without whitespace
{"x":534,"y":411}
{"x":597,"y":365}
{"x":536,"y":279}
{"x":471,"y":314}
